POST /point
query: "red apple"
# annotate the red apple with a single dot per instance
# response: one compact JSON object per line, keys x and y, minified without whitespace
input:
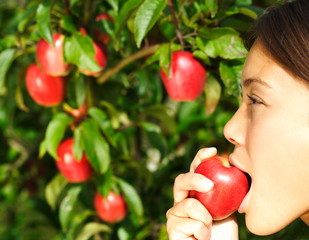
{"x":230,"y":187}
{"x":100,"y":56}
{"x":50,"y":58}
{"x":72,"y":169}
{"x":186,"y":78}
{"x":112,"y":208}
{"x":44,"y":89}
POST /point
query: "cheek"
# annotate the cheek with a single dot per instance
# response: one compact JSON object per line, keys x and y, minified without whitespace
{"x":279,"y":168}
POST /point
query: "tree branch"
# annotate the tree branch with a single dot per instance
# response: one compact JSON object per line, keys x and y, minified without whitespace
{"x":176,"y":23}
{"x":142,"y":53}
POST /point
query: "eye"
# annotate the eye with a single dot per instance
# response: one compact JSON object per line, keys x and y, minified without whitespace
{"x":254,"y":100}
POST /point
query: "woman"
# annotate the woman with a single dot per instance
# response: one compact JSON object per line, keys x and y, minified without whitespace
{"x":270,"y":132}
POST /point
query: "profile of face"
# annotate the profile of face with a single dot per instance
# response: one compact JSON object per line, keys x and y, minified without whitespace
{"x":270,"y":131}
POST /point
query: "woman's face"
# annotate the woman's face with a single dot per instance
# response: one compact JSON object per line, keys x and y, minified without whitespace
{"x":270,"y":131}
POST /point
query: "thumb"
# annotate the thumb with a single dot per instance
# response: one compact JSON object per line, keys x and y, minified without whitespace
{"x":226,"y":229}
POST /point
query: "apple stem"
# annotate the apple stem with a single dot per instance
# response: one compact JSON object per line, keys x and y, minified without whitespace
{"x":225,"y":162}
{"x":142,"y":53}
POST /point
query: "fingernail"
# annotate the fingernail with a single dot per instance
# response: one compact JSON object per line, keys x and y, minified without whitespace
{"x":206,"y":185}
{"x":208,"y":152}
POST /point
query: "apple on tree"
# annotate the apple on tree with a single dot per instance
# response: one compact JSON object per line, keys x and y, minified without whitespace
{"x":73,"y":170}
{"x":100,"y":56}
{"x":111,"y":208}
{"x":186,"y":77}
{"x":51,"y":58}
{"x":230,"y":187}
{"x":44,"y":89}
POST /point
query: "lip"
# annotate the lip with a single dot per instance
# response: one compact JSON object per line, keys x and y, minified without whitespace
{"x":234,"y":163}
{"x":243,"y":206}
{"x":244,"y":203}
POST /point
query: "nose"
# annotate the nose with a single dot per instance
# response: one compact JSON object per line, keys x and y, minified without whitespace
{"x":234,"y":130}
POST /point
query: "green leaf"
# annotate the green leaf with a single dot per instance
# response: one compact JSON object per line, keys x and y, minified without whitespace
{"x":132,"y":198}
{"x":42,"y":149}
{"x":77,"y":221}
{"x":6,"y":59}
{"x":125,"y":13}
{"x":91,"y":229}
{"x":104,"y":183}
{"x":231,"y":77}
{"x":165,"y":56}
{"x":212,"y":6}
{"x":105,"y":124}
{"x":26,"y":17}
{"x":43,"y":20}
{"x":95,"y":146}
{"x":227,"y":46}
{"x":77,"y":146}
{"x":4,"y":172}
{"x":244,"y":2}
{"x":79,"y":50}
{"x":155,"y":136}
{"x":251,"y":11}
{"x":66,"y":209}
{"x":114,"y":4}
{"x":55,"y":132}
{"x":150,"y":127}
{"x":215,"y":33}
{"x":113,"y":113}
{"x":54,"y":189}
{"x":146,"y":17}
{"x":80,"y":90}
{"x":161,"y":112}
{"x":67,"y":23}
{"x":213,"y":94}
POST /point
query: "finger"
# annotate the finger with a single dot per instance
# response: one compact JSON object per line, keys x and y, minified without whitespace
{"x":201,"y":155}
{"x":225,"y":229}
{"x":186,"y":228}
{"x":193,"y":209}
{"x":190,"y":181}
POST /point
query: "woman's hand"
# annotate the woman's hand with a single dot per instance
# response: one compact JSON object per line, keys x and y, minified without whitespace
{"x":188,"y":218}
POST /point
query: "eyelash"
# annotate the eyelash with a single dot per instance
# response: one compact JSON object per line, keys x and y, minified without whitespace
{"x":254,"y":100}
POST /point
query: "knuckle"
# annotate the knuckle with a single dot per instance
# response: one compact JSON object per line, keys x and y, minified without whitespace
{"x":190,"y":203}
{"x":179,"y":178}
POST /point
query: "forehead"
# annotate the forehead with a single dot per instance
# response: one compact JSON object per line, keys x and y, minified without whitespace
{"x":260,"y":68}
{"x":257,"y":63}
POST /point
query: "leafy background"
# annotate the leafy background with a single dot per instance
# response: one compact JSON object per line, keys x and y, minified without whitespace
{"x":135,"y":136}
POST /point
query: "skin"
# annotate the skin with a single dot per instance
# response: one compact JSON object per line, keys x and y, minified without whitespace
{"x":270,"y":132}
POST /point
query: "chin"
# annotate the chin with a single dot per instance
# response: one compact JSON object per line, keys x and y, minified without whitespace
{"x":264,"y":228}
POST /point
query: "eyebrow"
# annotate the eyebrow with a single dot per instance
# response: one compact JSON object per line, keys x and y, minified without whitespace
{"x":247,"y":82}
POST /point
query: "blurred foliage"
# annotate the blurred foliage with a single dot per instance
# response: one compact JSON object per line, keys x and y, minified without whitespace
{"x":145,"y":139}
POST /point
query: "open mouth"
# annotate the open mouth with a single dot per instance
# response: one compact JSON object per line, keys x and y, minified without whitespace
{"x":243,"y":205}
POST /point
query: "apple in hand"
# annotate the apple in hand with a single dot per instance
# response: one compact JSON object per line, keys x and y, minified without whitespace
{"x":73,"y":170}
{"x":44,"y":89}
{"x":100,"y":56}
{"x":186,"y":77}
{"x":51,"y":58}
{"x":230,"y":187}
{"x":111,"y":208}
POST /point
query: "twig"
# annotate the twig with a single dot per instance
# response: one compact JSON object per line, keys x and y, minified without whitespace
{"x":142,"y":53}
{"x":176,"y":23}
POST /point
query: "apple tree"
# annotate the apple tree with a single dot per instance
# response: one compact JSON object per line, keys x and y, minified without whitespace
{"x":103,"y":103}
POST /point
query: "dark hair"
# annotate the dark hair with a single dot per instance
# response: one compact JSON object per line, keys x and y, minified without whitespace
{"x":283,"y":30}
